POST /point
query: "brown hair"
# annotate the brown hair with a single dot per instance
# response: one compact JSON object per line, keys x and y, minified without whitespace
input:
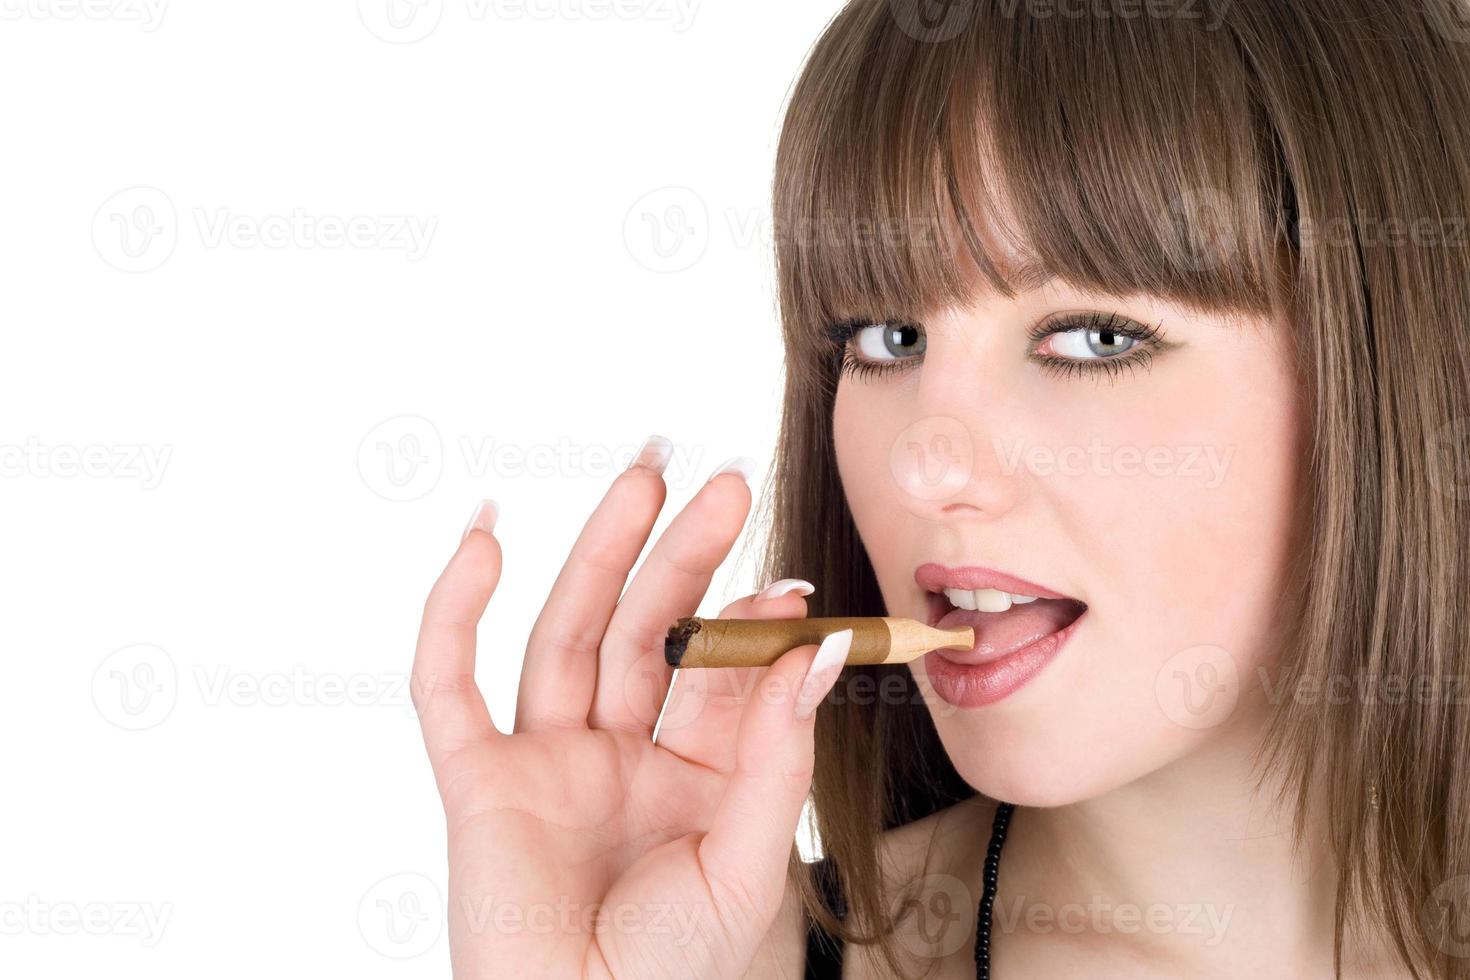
{"x":1306,"y":157}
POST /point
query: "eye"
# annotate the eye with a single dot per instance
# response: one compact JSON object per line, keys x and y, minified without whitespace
{"x":869,"y":348}
{"x":1084,"y":343}
{"x":889,"y":341}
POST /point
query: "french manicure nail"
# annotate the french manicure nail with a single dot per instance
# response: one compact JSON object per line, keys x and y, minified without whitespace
{"x":743,"y":465}
{"x":483,"y":518}
{"x":826,"y":665}
{"x":784,"y":586}
{"x":654,"y":454}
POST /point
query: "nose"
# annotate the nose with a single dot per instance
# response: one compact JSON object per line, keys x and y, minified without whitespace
{"x":954,"y":456}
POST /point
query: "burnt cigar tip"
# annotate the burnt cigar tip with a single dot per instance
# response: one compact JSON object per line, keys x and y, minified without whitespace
{"x":676,"y":641}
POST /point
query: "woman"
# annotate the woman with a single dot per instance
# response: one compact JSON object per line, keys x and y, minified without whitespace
{"x":1133,"y":335}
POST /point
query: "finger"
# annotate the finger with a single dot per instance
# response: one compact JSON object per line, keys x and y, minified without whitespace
{"x":632,"y":677}
{"x":704,"y":706}
{"x":744,"y":854}
{"x":451,"y":711}
{"x":560,"y":669}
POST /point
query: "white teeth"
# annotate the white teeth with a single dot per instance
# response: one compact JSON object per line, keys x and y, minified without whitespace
{"x":962,"y":598}
{"x":992,"y":600}
{"x":985,"y":600}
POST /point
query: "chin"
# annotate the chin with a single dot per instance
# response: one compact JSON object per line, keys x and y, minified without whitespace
{"x":1059,"y":756}
{"x":1021,"y":779}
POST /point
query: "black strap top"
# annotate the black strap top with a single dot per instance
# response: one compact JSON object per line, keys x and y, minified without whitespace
{"x":824,"y":950}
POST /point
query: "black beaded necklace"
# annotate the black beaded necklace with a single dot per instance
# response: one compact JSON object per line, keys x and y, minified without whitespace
{"x":987,"y":895}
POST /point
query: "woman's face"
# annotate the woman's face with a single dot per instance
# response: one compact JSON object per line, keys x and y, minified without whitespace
{"x":1146,"y":483}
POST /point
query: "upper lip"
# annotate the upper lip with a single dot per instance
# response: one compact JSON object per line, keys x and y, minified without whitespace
{"x":934,"y":577}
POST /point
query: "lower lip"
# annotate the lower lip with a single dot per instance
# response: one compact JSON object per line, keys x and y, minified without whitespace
{"x":976,"y":685}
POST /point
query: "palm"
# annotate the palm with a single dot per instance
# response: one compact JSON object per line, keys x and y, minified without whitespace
{"x":558,"y":823}
{"x":577,"y":846}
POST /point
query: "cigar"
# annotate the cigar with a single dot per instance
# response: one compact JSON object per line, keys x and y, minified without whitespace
{"x":696,"y":642}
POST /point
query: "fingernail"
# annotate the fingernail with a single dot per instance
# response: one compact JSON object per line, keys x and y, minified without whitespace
{"x":743,"y":465}
{"x":483,"y":518}
{"x":784,"y":586}
{"x":826,"y":665}
{"x":654,"y":454}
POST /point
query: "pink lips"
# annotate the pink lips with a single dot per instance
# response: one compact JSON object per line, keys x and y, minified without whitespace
{"x":933,"y":577}
{"x":1010,"y":647}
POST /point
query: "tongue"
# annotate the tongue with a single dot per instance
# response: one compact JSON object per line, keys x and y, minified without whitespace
{"x":999,"y":634}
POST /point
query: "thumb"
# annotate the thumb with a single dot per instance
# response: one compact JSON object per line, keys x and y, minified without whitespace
{"x":748,"y":845}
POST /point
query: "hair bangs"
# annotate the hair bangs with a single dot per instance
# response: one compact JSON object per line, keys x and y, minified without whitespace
{"x":913,"y":172}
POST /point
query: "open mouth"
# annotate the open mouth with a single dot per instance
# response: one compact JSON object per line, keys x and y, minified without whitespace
{"x":1007,"y":614}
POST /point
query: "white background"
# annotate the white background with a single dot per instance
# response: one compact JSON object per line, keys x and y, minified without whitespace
{"x":238,"y":445}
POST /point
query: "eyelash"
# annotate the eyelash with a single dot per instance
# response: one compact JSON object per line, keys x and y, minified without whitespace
{"x":1151,"y":340}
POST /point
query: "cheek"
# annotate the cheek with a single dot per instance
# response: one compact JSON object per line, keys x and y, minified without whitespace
{"x":1172,"y":516}
{"x":864,"y":427}
{"x":887,"y":460}
{"x":1178,"y":528}
{"x":1188,"y":517}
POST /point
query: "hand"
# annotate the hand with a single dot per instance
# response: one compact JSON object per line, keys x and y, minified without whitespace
{"x":680,"y":846}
